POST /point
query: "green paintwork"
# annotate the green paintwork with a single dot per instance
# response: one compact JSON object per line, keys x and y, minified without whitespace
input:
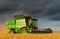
{"x":17,"y":24}
{"x":11,"y":24}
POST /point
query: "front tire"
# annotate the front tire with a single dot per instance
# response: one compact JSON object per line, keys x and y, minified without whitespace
{"x":12,"y":31}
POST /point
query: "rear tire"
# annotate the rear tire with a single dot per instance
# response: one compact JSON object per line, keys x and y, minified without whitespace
{"x":23,"y":30}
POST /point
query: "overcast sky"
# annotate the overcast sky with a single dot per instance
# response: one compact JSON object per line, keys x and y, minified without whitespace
{"x":48,"y":11}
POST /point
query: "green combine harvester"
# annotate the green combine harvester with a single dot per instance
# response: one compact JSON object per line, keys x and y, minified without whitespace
{"x":22,"y":24}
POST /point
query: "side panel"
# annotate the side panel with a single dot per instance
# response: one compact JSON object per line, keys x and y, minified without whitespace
{"x":20,"y":23}
{"x":11,"y":24}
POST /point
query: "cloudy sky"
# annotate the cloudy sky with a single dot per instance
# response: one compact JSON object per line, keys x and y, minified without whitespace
{"x":47,"y":11}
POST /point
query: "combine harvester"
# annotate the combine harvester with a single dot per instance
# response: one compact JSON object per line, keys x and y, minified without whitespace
{"x":25,"y":24}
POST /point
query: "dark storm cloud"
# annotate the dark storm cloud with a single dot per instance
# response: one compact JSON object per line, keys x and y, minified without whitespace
{"x":53,"y":12}
{"x":36,"y":8}
{"x":8,"y":6}
{"x":29,"y":6}
{"x":47,"y":8}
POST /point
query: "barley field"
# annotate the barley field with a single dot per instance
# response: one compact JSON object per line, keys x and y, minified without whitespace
{"x":5,"y":35}
{"x":55,"y":35}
